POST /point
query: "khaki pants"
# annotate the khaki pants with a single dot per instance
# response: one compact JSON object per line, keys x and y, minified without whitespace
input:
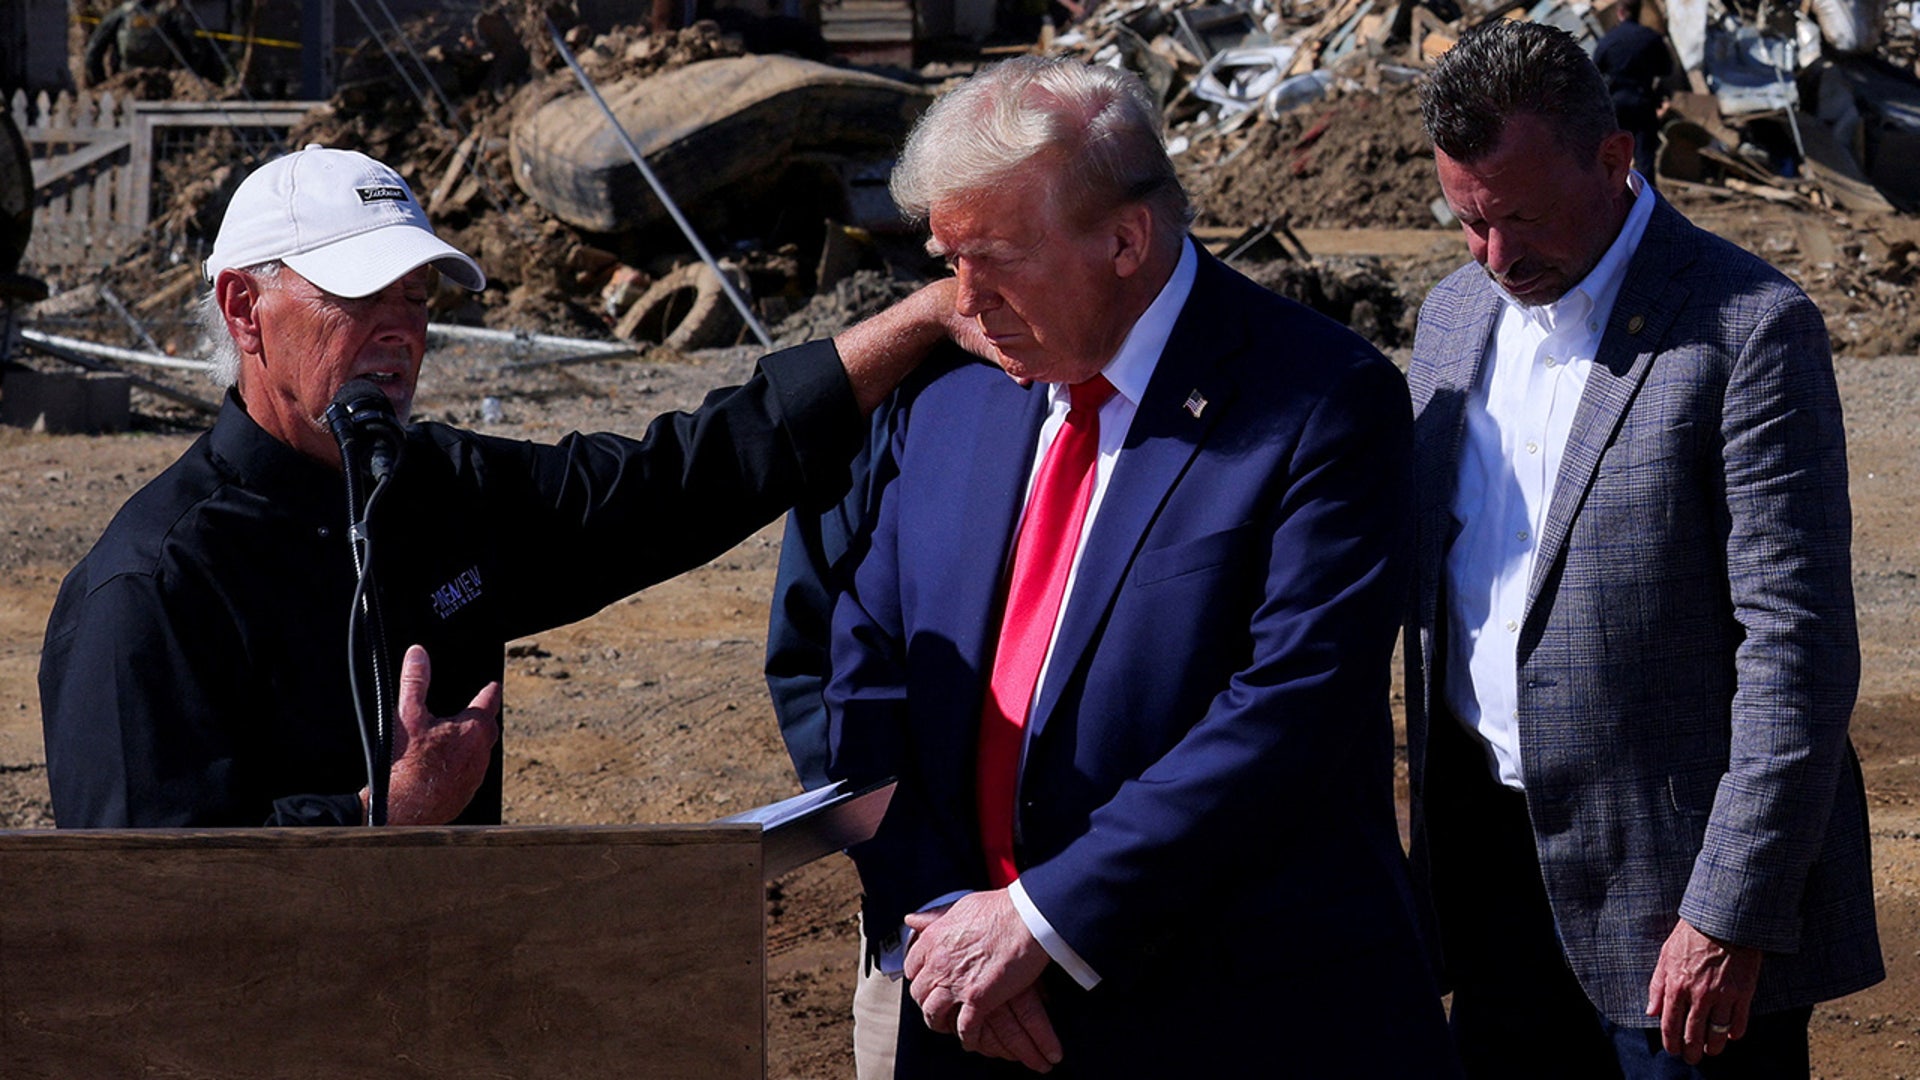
{"x":876,"y":1019}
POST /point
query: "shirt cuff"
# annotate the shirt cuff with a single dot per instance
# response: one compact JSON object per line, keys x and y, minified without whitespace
{"x":1050,"y":940}
{"x":892,"y":960}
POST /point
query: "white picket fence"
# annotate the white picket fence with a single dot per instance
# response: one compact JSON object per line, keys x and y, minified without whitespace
{"x":93,"y":164}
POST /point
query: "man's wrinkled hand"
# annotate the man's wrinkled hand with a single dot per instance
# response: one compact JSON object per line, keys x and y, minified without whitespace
{"x":438,"y":762}
{"x":973,"y":969}
{"x":880,"y":350}
{"x":1020,"y":1031}
{"x":1701,"y":990}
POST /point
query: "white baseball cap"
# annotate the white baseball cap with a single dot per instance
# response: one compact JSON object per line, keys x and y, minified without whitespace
{"x":340,"y":219}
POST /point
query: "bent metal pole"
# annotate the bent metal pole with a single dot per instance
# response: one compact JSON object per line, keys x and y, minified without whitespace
{"x":659,"y":190}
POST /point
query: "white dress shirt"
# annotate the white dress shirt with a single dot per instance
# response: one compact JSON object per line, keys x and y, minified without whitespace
{"x":1518,"y":418}
{"x":1129,"y":371}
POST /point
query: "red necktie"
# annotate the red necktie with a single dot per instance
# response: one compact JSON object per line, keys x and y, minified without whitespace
{"x":1036,"y":585}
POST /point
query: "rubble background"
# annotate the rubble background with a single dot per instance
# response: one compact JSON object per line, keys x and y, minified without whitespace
{"x":653,"y":711}
{"x":1345,"y":151}
{"x":1360,"y":160}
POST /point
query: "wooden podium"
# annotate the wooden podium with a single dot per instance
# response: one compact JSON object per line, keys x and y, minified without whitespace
{"x":343,"y":953}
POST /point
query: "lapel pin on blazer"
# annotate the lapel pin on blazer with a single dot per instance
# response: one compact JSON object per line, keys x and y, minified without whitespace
{"x":1196,"y":402}
{"x":1634,"y":324}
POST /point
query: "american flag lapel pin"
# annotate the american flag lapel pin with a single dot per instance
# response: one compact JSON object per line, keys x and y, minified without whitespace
{"x":1196,"y":402}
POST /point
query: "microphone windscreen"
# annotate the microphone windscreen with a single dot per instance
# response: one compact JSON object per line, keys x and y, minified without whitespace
{"x":360,"y":398}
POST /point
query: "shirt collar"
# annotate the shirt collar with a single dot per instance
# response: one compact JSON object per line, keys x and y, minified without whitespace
{"x":264,"y":464}
{"x":1593,"y":297}
{"x":1132,"y":366}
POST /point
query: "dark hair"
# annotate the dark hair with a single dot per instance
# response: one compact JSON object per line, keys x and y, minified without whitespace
{"x":1504,"y":69}
{"x":1629,"y":10}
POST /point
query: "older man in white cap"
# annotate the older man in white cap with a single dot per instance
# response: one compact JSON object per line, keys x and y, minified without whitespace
{"x":195,"y":671}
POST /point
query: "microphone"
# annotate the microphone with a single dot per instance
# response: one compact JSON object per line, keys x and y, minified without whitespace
{"x":360,"y":412}
{"x":362,"y":418}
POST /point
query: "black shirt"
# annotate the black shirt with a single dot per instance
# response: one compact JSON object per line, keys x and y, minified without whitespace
{"x":195,"y":667}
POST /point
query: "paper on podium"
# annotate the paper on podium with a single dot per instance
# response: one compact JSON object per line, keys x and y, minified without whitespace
{"x":816,"y":823}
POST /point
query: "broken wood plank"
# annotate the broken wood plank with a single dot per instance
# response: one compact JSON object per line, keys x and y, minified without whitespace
{"x":1316,"y":39}
{"x":1833,"y":167}
{"x":1765,"y":191}
{"x":48,"y":171}
{"x":175,"y":284}
{"x":455,"y":168}
{"x":1737,"y":165}
{"x":1847,"y":193}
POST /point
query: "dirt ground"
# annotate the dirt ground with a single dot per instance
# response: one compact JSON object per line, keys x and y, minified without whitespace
{"x":654,"y":710}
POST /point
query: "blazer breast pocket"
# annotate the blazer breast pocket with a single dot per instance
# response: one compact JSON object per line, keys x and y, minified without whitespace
{"x":1643,"y":446}
{"x":1192,"y":556}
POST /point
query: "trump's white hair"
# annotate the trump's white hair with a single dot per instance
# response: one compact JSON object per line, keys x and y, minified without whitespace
{"x":1093,"y":133}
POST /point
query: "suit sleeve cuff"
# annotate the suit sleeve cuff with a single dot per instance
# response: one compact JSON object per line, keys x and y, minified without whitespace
{"x":1050,"y":940}
{"x":814,"y":404}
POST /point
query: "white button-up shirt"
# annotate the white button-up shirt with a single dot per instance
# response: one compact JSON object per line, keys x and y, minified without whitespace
{"x":1518,"y":418}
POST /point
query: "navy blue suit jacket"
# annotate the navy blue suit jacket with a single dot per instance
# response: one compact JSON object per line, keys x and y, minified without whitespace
{"x":817,"y":556}
{"x":1207,"y":797}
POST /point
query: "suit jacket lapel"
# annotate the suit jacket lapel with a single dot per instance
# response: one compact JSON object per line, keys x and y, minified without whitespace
{"x":1440,"y":395}
{"x":1643,"y":311}
{"x":1162,"y":441}
{"x":976,"y":555}
{"x":1454,"y":363}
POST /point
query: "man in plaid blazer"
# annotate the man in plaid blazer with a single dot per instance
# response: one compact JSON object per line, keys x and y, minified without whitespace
{"x":1632,"y":654}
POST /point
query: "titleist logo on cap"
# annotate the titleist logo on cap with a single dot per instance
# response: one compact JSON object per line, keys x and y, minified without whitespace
{"x":382,"y":193}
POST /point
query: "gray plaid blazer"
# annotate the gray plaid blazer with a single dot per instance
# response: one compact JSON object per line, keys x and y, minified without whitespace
{"x":1688,"y":659}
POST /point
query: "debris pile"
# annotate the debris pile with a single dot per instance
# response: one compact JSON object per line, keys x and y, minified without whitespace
{"x":1306,"y":114}
{"x":1280,"y":113}
{"x":1355,"y":161}
{"x":1819,"y":106}
{"x":549,"y":276}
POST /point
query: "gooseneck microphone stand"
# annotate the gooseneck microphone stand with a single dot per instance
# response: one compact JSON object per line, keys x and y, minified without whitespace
{"x":370,"y":438}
